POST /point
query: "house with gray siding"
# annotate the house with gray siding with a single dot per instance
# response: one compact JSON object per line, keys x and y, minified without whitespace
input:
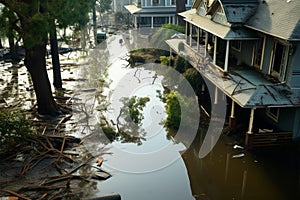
{"x":154,"y":13}
{"x":249,"y":50}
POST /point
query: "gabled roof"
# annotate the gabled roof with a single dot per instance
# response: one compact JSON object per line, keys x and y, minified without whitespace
{"x":236,"y":11}
{"x":222,"y":31}
{"x":279,"y":18}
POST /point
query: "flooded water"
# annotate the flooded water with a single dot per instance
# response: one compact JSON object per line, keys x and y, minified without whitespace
{"x":157,"y":169}
{"x":157,"y":166}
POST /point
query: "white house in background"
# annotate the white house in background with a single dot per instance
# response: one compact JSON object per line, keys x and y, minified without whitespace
{"x":118,"y":5}
{"x":154,"y":13}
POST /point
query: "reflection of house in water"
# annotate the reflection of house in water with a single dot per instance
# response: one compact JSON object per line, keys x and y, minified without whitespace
{"x":249,"y":51}
{"x":153,"y":13}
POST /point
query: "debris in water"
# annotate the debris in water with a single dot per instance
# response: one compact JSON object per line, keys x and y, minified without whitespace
{"x":238,"y":147}
{"x":101,"y":175}
{"x":238,"y":155}
{"x":100,"y":161}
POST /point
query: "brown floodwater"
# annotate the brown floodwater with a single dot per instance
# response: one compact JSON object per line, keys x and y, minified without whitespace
{"x":163,"y":168}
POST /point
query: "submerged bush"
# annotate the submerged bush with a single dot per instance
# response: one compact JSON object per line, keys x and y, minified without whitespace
{"x":13,"y":127}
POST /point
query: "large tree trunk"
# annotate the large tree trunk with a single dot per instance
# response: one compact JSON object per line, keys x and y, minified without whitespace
{"x":35,"y":62}
{"x":180,"y":7}
{"x":55,"y":58}
{"x":95,"y":23}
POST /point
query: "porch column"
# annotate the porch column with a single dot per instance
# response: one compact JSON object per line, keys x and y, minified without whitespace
{"x":232,"y":116}
{"x":169,"y":19}
{"x":216,"y":95}
{"x":215,"y":50}
{"x":227,"y":56}
{"x":135,"y":21}
{"x":152,"y":21}
{"x":198,"y":39}
{"x":250,"y":129}
{"x":206,"y":43}
{"x":186,"y":30}
{"x":191,"y":34}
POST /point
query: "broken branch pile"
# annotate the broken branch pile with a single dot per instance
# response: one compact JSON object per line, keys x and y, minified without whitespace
{"x":52,"y":168}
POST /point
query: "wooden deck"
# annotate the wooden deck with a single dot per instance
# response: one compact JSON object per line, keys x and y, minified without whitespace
{"x":268,"y":139}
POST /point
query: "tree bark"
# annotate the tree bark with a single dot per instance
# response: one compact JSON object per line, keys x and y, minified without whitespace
{"x":95,"y":24}
{"x":35,"y":62}
{"x":180,"y":7}
{"x":55,"y":58}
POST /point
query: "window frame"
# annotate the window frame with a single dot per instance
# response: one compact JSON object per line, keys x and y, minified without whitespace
{"x":273,"y":115}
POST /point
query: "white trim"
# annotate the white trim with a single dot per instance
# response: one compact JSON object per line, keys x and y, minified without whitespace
{"x":251,"y":120}
{"x":280,"y":75}
{"x":227,"y":56}
{"x":271,"y":115}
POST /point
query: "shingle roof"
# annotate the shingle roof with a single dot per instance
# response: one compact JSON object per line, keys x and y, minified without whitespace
{"x":279,"y":18}
{"x":222,"y":31}
{"x":236,"y":11}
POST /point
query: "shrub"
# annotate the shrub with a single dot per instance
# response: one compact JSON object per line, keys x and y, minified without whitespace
{"x":181,"y":46}
{"x":177,"y":28}
{"x":13,"y":128}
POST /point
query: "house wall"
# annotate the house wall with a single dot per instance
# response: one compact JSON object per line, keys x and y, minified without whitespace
{"x":285,"y":121}
{"x":267,"y":55}
{"x":293,"y":78}
{"x":296,"y":129}
{"x":246,"y":52}
{"x":164,"y":3}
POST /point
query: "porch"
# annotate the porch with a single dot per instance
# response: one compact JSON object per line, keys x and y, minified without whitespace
{"x":246,"y":88}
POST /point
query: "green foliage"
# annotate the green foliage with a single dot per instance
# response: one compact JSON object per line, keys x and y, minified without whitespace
{"x":178,"y":28}
{"x":7,"y":28}
{"x":133,"y":107}
{"x":110,"y":132}
{"x":36,"y":16}
{"x":70,"y":12}
{"x":164,"y":60}
{"x":194,"y":78}
{"x":173,"y":110}
{"x":181,"y":46}
{"x":180,"y":64}
{"x":119,"y":17}
{"x":13,"y":128}
{"x":159,"y":37}
{"x":104,"y":5}
{"x":37,"y":28}
{"x":175,"y":105}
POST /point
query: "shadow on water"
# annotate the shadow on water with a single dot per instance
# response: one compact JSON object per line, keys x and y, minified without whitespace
{"x":230,"y":172}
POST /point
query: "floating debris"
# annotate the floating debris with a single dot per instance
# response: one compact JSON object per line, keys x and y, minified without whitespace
{"x":238,"y":147}
{"x":238,"y":155}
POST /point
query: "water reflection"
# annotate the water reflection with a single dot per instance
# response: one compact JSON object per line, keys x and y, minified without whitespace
{"x":228,"y":173}
{"x":153,"y":170}
{"x":15,"y":86}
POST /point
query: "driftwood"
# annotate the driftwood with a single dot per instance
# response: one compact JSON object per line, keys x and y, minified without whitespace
{"x":51,"y":146}
{"x":21,"y":196}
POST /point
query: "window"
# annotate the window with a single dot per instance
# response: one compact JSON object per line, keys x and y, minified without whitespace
{"x":172,"y":2}
{"x":273,"y":113}
{"x":258,"y":52}
{"x":155,"y":2}
{"x":279,"y":60}
{"x":236,"y":45}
